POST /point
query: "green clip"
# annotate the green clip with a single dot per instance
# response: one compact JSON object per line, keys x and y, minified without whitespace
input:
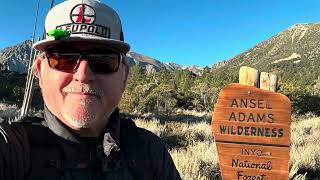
{"x":58,"y":33}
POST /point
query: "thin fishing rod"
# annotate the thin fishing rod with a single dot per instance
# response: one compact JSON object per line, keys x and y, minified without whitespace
{"x":30,"y":77}
{"x":34,"y":33}
{"x":44,"y":29}
{"x":35,"y":21}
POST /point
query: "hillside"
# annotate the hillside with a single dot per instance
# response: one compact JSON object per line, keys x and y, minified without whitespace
{"x":293,"y":55}
{"x":15,"y":58}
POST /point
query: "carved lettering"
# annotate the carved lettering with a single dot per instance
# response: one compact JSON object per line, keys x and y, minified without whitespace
{"x":251,"y":117}
{"x":251,"y":131}
{"x":234,"y":103}
{"x":256,"y":152}
{"x":251,"y":165}
{"x":242,"y":176}
{"x":250,"y":103}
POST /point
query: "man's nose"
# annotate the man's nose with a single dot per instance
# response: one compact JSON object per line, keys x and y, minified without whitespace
{"x":84,"y":73}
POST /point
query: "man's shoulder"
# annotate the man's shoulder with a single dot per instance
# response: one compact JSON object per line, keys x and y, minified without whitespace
{"x":27,"y":128}
{"x":13,"y":135}
{"x":11,"y":129}
{"x":14,"y":150}
{"x":27,"y":123}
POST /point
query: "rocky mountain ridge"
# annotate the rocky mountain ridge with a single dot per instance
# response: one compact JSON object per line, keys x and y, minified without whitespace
{"x":298,"y":42}
{"x":15,"y":58}
{"x":293,"y":55}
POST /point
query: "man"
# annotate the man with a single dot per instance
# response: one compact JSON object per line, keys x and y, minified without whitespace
{"x":82,"y":73}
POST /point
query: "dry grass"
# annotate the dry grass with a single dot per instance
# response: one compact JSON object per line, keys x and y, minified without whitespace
{"x":194,"y":152}
{"x":191,"y":146}
{"x":197,"y":161}
{"x":8,"y":112}
{"x":11,"y":112}
{"x":305,"y":144}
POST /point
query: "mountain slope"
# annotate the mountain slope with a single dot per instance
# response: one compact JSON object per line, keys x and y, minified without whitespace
{"x":15,"y":58}
{"x":293,"y":54}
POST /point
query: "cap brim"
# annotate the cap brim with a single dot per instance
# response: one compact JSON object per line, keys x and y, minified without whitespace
{"x":115,"y":44}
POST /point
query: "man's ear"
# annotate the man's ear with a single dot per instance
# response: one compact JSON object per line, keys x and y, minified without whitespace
{"x":39,"y":68}
{"x":125,"y":65}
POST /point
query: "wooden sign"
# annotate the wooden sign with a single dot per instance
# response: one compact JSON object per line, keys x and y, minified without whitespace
{"x":252,"y":132}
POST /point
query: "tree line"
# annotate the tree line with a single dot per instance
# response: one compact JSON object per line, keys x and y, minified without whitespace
{"x":165,"y":91}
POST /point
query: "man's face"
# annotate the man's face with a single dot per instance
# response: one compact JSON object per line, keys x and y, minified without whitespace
{"x":82,"y":99}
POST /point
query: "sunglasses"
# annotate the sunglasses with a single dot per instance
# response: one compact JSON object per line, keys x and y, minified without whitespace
{"x":104,"y":63}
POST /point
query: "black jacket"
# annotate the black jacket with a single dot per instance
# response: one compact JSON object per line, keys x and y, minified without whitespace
{"x":46,"y":149}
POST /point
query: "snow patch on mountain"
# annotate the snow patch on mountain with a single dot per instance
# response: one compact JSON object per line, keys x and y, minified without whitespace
{"x":299,"y":29}
{"x":293,"y":56}
{"x":297,"y":61}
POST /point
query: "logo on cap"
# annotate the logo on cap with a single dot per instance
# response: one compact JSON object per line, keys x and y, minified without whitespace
{"x":83,"y":19}
{"x":82,"y":13}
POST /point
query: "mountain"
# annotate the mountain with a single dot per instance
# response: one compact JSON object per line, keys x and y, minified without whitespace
{"x":297,"y":44}
{"x":151,"y":65}
{"x":293,"y":55}
{"x":15,"y":58}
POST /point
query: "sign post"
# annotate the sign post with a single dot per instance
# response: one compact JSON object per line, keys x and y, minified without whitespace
{"x":252,"y":132}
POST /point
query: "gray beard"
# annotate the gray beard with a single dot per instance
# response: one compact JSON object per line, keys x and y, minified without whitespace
{"x":87,"y":120}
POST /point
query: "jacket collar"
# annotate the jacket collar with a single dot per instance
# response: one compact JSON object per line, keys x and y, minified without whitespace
{"x":110,"y":139}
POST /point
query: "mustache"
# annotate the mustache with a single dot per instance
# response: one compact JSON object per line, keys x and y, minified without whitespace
{"x":83,"y":89}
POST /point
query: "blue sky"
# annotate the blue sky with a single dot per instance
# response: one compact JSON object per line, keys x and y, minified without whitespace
{"x":200,"y":32}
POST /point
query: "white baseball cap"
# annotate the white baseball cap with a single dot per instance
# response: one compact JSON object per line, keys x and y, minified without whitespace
{"x":86,"y":21}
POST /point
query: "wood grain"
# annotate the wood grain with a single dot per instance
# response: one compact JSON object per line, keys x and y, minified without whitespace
{"x":240,"y":112}
{"x":268,"y":81}
{"x":249,"y":76}
{"x":278,"y":158}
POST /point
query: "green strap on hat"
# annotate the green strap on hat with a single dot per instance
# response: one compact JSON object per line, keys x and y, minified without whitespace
{"x":58,"y":33}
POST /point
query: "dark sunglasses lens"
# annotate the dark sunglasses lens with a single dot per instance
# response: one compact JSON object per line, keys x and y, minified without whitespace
{"x":66,"y":63}
{"x":105,"y":64}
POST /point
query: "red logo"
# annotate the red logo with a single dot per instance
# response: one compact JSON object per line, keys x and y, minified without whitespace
{"x":83,"y":13}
